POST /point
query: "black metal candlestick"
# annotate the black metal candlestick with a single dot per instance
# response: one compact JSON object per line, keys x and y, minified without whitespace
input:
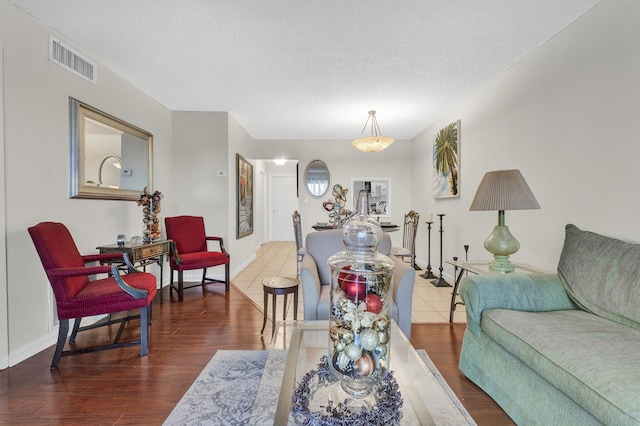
{"x":440,"y":281}
{"x":455,"y":267}
{"x":428,"y":274}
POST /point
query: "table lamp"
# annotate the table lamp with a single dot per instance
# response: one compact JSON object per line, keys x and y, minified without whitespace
{"x":503,"y":190}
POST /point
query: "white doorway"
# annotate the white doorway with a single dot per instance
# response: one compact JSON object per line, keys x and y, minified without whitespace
{"x":264,"y":236}
{"x":284,"y":201}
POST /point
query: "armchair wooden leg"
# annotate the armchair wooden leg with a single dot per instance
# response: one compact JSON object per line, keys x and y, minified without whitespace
{"x":144,"y":330}
{"x":63,"y":329}
{"x":227,"y":279}
{"x":180,"y":286}
{"x":171,"y":284}
{"x":74,"y":331}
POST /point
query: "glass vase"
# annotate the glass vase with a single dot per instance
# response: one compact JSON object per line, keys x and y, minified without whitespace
{"x":360,"y":317}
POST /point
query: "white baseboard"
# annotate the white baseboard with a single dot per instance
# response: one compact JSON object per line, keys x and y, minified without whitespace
{"x":42,"y":343}
{"x":241,"y":267}
{"x":34,"y":347}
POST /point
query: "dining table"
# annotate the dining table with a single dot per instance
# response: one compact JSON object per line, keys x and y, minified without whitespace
{"x":386,"y":227}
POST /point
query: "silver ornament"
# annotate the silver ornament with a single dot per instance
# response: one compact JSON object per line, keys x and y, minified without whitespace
{"x":369,"y":339}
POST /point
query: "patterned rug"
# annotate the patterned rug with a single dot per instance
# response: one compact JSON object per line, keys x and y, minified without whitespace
{"x":242,"y":387}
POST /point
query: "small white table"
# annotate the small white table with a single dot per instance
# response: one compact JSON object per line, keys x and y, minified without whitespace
{"x":480,"y":267}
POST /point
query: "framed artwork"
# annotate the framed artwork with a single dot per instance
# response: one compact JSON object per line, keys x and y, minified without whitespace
{"x":446,"y":162}
{"x":244,"y":196}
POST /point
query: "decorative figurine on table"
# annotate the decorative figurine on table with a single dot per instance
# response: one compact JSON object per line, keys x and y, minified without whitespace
{"x":337,"y":213}
{"x":150,"y":208}
{"x":360,"y":318}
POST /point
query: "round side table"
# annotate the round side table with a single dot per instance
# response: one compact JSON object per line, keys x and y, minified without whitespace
{"x":276,"y":286}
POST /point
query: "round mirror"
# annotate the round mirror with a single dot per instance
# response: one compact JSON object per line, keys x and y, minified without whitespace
{"x":316,"y":178}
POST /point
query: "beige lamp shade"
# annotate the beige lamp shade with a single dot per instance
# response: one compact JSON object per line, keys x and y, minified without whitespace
{"x":504,"y":190}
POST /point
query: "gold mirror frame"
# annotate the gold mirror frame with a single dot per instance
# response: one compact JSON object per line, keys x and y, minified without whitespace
{"x":88,"y":153}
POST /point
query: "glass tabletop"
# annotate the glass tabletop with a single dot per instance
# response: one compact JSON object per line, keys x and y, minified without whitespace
{"x":482,"y":267}
{"x":425,"y":397}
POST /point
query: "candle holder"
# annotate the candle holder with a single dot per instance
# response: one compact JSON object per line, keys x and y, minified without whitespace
{"x":455,"y":267}
{"x":440,"y":281}
{"x":428,"y":274}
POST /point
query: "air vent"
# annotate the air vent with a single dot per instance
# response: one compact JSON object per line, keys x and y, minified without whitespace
{"x":72,"y":61}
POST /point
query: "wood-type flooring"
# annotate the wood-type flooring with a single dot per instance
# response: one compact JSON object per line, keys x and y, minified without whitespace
{"x":118,"y":387}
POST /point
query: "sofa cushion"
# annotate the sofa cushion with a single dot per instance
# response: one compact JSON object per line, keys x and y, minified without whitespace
{"x":590,"y":359}
{"x":602,"y":275}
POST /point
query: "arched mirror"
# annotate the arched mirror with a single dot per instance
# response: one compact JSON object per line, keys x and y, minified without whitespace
{"x":316,"y":178}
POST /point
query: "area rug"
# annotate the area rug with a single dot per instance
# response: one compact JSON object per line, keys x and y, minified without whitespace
{"x":242,"y":387}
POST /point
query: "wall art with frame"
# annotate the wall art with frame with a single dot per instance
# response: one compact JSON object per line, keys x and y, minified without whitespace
{"x":446,"y":162}
{"x":244,"y":197}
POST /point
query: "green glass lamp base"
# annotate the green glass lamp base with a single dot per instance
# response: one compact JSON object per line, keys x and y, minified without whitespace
{"x":501,"y":264}
{"x":501,"y":244}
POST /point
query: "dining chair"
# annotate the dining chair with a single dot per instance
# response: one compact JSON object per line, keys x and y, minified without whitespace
{"x":77,"y":296}
{"x":189,"y":251}
{"x":408,"y":248}
{"x":300,"y":250}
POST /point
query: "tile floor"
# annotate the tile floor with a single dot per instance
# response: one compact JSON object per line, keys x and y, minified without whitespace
{"x":430,"y":304}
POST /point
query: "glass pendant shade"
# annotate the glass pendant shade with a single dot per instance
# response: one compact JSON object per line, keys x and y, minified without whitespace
{"x":375,"y":142}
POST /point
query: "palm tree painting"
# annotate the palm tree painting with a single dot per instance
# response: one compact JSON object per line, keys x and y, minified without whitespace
{"x":445,"y":161}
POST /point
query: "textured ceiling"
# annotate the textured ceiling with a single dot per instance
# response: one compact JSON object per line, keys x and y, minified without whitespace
{"x":301,"y":69}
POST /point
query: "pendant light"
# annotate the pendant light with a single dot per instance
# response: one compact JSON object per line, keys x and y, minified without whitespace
{"x":375,"y":142}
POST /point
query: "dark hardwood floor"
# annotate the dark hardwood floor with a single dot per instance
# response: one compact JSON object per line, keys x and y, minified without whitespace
{"x":118,"y":387}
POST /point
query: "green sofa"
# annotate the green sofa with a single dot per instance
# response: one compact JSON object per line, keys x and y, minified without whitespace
{"x":560,"y":349}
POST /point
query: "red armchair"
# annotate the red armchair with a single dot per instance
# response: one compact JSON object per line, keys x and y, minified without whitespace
{"x":78,"y":297}
{"x":189,"y":251}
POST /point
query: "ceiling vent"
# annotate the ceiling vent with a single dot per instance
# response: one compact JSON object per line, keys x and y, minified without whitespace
{"x":72,"y":61}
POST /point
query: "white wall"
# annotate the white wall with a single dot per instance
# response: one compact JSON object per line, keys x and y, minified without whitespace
{"x":345,"y":163}
{"x":4,"y":317}
{"x":36,"y":141}
{"x":242,"y":251}
{"x":567,"y":117}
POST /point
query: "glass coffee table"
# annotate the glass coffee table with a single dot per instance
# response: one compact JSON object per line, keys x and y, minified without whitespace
{"x":428,"y":400}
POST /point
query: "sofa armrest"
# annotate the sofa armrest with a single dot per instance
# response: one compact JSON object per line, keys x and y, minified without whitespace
{"x":520,"y":292}
{"x":402,"y":293}
{"x":310,"y":281}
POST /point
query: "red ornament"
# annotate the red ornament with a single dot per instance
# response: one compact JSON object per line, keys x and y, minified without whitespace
{"x":374,"y":303}
{"x":353,"y":285}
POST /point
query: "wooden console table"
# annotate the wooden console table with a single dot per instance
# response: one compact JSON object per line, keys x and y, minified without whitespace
{"x":142,"y":254}
{"x":480,"y":267}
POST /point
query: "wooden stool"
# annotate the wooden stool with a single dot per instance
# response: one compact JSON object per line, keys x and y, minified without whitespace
{"x":276,"y":286}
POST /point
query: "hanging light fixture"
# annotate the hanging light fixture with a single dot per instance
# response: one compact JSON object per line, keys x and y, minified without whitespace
{"x":375,"y":142}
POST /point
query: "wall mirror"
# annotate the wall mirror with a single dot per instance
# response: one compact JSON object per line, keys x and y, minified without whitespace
{"x":316,"y":178}
{"x":379,"y":190}
{"x":110,"y":159}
